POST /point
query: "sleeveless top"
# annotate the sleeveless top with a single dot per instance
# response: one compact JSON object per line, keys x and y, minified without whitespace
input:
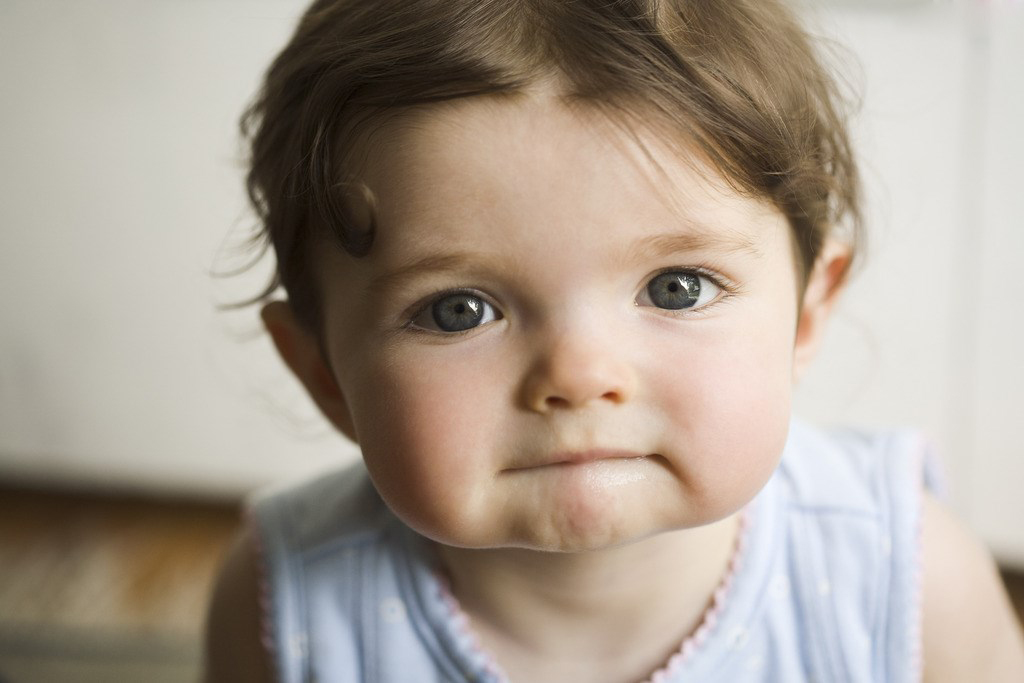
{"x":825,"y":585}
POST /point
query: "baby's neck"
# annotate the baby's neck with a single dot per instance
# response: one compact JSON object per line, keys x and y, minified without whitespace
{"x":615,"y":614}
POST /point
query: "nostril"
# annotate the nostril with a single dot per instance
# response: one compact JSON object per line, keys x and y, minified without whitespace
{"x":563,"y":402}
{"x":556,"y":402}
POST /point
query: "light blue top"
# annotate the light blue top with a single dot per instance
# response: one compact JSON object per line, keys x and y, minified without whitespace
{"x":826,"y":589}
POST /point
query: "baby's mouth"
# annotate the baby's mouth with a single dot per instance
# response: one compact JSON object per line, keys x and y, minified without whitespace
{"x":572,"y":458}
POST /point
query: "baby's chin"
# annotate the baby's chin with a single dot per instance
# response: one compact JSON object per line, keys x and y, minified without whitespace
{"x":560,"y":533}
{"x":542,"y":543}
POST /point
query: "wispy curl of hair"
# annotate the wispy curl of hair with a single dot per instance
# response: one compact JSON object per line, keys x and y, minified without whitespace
{"x":738,"y":80}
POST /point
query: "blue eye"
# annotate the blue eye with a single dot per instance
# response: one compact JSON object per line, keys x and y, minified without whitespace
{"x":676,"y":290}
{"x":456,"y":312}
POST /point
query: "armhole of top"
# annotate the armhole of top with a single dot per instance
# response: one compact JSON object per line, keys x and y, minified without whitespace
{"x":278,"y":585}
{"x":919,"y":472}
{"x":263,"y":593}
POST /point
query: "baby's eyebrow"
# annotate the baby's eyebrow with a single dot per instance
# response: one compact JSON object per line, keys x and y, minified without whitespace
{"x":433,"y":263}
{"x":685,"y":242}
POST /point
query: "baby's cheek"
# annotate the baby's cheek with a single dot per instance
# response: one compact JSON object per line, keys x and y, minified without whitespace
{"x":727,"y":412}
{"x":756,"y":402}
{"x":421,"y":448}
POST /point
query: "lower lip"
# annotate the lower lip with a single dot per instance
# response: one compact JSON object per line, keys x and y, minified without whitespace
{"x":612,"y":472}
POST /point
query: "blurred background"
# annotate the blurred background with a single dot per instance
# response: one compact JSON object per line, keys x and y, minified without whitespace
{"x":135,"y":415}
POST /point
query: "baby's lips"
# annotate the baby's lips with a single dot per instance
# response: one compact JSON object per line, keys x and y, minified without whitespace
{"x":579,"y":457}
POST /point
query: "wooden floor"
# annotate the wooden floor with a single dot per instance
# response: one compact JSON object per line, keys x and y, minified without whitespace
{"x":99,"y":589}
{"x":105,"y":589}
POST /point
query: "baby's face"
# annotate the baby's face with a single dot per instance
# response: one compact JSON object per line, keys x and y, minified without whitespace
{"x":556,"y":343}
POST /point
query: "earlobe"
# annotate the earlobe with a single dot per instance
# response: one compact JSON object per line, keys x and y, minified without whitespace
{"x":823,"y":288}
{"x":300,"y":351}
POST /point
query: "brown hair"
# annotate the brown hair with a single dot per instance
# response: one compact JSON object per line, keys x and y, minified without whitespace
{"x":739,"y":79}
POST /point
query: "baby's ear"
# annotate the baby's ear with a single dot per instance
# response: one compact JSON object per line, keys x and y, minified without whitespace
{"x":301,"y":352}
{"x":824,"y":285}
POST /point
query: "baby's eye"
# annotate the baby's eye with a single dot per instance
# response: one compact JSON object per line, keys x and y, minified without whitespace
{"x":455,"y":312}
{"x":675,"y":290}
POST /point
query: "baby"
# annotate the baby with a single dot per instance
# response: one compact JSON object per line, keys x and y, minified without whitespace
{"x":555,"y":266}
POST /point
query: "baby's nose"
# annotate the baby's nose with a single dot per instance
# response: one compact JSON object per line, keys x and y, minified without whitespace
{"x":573,"y":370}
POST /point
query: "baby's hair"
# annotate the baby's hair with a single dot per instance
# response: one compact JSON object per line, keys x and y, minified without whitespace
{"x":738,"y":81}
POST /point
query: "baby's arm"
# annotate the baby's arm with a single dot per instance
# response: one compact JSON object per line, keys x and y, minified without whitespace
{"x":233,"y":648}
{"x":970,"y":631}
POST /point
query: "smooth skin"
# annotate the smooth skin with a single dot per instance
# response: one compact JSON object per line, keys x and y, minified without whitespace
{"x":577,"y":428}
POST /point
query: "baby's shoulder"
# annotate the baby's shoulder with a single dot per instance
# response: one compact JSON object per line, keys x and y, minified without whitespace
{"x":337,"y":507}
{"x":856,"y":470}
{"x":294,"y":547}
{"x":970,"y":631}
{"x":837,"y":530}
{"x":233,"y":649}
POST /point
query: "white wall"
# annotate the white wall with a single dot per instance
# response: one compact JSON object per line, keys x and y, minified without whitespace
{"x":930,"y":332}
{"x":120,"y":186}
{"x":994,"y":448}
{"x":120,"y":179}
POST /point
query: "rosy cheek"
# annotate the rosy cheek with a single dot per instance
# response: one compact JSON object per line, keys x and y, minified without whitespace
{"x":418,"y":440}
{"x":727,"y":408}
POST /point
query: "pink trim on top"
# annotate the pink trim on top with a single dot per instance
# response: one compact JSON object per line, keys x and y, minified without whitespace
{"x":693,"y":642}
{"x":460,"y":621}
{"x":690,"y":645}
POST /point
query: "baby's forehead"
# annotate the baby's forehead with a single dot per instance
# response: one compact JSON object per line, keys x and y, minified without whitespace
{"x":497,"y":176}
{"x":466,"y":153}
